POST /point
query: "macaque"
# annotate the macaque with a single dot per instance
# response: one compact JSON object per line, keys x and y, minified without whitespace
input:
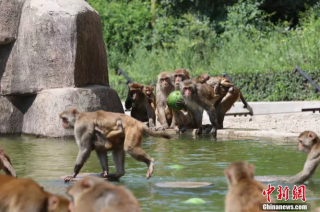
{"x":309,"y":143}
{"x":184,"y":119}
{"x":107,"y":145}
{"x":92,"y":194}
{"x":244,"y":193}
{"x":141,"y":108}
{"x":228,"y":93}
{"x":164,"y":87}
{"x":148,"y":91}
{"x":5,"y":163}
{"x":198,"y":97}
{"x":129,"y":139}
{"x":25,"y":195}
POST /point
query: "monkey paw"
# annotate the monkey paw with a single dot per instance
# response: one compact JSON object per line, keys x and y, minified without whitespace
{"x":68,"y":178}
{"x":180,"y":103}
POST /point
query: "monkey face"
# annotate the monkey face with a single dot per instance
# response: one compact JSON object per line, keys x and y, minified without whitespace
{"x":303,"y":147}
{"x":187,"y":91}
{"x":165,"y":82}
{"x":69,"y":117}
{"x":135,"y":94}
{"x":178,"y":78}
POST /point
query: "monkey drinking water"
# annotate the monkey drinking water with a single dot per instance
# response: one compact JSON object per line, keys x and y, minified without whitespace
{"x":121,"y":141}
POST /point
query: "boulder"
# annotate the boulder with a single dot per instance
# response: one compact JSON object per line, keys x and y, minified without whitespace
{"x":59,"y":44}
{"x":11,"y":118}
{"x":9,"y":20}
{"x":42,"y":118}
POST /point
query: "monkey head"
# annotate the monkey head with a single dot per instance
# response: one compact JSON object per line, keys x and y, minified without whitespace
{"x":306,"y":140}
{"x":239,"y":170}
{"x":187,"y":88}
{"x":180,"y":75}
{"x":148,"y":90}
{"x":165,"y":80}
{"x":69,"y":117}
{"x":135,"y":90}
{"x":203,"y":78}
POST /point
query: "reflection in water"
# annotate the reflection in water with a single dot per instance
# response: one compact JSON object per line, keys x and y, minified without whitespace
{"x":203,"y":159}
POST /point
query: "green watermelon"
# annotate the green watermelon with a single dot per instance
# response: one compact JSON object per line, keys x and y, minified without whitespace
{"x":173,"y":98}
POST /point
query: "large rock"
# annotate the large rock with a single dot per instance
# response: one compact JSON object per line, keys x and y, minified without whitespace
{"x":10,"y":11}
{"x":59,"y":44}
{"x":42,"y":118}
{"x":11,"y":118}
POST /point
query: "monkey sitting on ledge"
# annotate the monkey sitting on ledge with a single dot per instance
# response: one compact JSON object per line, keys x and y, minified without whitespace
{"x":309,"y":143}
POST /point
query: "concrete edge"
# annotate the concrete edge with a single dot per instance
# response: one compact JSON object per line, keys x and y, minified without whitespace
{"x":248,"y":134}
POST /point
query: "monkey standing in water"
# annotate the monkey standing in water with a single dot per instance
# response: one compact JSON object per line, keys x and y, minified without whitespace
{"x":87,"y":127}
{"x":164,"y":88}
{"x":244,"y":193}
{"x":141,"y":108}
{"x":5,"y":163}
{"x":92,"y":194}
{"x":309,"y":143}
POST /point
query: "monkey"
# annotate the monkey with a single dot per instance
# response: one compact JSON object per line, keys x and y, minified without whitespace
{"x":229,"y":94}
{"x":141,"y":108}
{"x":87,"y":139}
{"x":106,"y":144}
{"x":244,"y":193}
{"x":92,"y":194}
{"x":5,"y":163}
{"x":163,"y":88}
{"x":184,"y":119}
{"x":309,"y":142}
{"x":129,"y":100}
{"x":198,"y":97}
{"x":25,"y":195}
{"x":148,"y":91}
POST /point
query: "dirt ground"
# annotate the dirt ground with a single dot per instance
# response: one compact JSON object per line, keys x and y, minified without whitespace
{"x":290,"y":122}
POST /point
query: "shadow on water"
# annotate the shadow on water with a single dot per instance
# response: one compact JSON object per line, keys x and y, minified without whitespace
{"x":181,"y":159}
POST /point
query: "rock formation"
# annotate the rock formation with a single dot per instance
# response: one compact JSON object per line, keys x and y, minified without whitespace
{"x":52,"y":55}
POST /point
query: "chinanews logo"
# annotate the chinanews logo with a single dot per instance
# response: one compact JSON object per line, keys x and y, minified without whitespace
{"x":298,"y":193}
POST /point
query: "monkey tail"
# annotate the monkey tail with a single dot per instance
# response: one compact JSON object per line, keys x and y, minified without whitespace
{"x":155,"y":133}
{"x":8,"y":169}
{"x":246,"y":105}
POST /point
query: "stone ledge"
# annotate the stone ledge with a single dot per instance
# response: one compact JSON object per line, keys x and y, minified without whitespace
{"x":248,"y":133}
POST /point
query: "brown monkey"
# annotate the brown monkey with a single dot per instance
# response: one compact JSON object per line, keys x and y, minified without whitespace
{"x":141,"y":109}
{"x":229,"y":94}
{"x":198,"y":97}
{"x":87,"y":139}
{"x":309,"y":143}
{"x":5,"y":163}
{"x":164,"y":87}
{"x":25,"y":195}
{"x":148,"y":91}
{"x":92,"y":194}
{"x":244,"y":193}
{"x":183,"y":118}
{"x":118,"y":129}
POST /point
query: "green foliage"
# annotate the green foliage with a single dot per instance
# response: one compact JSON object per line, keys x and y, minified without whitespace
{"x":258,"y":54}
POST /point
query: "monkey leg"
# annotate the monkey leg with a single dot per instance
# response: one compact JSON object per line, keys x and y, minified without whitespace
{"x":82,"y":157}
{"x":103,"y":158}
{"x":214,"y":121}
{"x":221,"y":113}
{"x":140,"y":155}
{"x":118,"y":156}
{"x":197,"y":114}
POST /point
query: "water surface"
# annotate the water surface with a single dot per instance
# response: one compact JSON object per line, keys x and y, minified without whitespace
{"x":204,"y":159}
